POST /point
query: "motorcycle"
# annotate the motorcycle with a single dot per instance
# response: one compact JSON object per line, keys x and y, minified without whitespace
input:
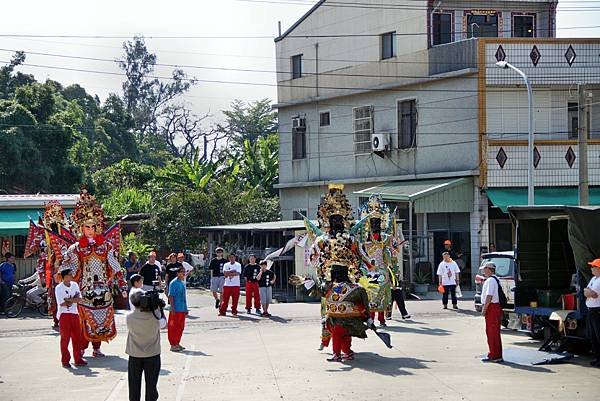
{"x":19,"y":300}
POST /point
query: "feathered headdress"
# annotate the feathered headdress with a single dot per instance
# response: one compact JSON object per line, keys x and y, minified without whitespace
{"x":335,"y":203}
{"x":87,"y":211}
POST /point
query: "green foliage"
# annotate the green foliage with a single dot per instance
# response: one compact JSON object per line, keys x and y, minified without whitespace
{"x":250,"y":121}
{"x":422,"y":277}
{"x":122,"y":175}
{"x":259,"y":162}
{"x":134,"y":243}
{"x":127,"y":201}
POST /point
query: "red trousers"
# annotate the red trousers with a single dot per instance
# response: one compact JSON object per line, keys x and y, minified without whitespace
{"x":252,"y":292}
{"x":175,"y":327}
{"x":230,"y":292}
{"x":70,"y":330}
{"x":341,"y":340}
{"x":493,"y":320}
{"x":380,"y":316}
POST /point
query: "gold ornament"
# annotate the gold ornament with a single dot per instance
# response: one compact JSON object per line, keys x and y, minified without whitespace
{"x":87,"y":211}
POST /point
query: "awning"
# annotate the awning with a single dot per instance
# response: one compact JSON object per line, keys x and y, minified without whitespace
{"x":453,"y":195}
{"x":284,"y":225}
{"x":16,"y":221}
{"x":564,"y":196}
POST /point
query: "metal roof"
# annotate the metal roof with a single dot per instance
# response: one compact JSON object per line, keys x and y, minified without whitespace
{"x":36,"y":200}
{"x":284,"y":225}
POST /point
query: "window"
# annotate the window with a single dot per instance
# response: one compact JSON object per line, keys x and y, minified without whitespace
{"x":299,"y":138}
{"x":442,"y":28}
{"x":297,"y":66}
{"x":363,"y":128}
{"x":482,"y":26}
{"x":523,"y":26}
{"x":388,"y":45}
{"x":324,"y":119}
{"x":407,"y":124}
{"x":20,"y":241}
{"x":573,"y":120}
{"x":300,"y":214}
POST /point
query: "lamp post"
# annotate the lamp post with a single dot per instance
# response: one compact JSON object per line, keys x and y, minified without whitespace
{"x":530,"y":185}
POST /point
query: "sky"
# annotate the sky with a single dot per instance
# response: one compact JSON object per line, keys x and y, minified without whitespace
{"x":125,"y":18}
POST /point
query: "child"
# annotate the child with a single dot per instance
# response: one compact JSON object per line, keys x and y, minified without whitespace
{"x":67,"y":297}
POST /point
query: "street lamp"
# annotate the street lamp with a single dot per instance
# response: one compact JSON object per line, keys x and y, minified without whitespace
{"x":530,"y":185}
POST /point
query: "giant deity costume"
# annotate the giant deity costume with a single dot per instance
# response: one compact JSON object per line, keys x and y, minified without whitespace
{"x":375,"y":243}
{"x":93,"y":260}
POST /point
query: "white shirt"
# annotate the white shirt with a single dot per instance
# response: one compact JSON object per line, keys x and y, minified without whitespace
{"x":594,"y":284}
{"x":188,"y":267}
{"x":131,"y":292}
{"x":490,"y":287}
{"x":235,"y":280}
{"x":61,"y":292}
{"x":448,"y":272}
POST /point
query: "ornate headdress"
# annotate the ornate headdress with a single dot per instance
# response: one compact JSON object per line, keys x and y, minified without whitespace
{"x":54,"y":213}
{"x":335,"y":203}
{"x":87,"y":211}
{"x":376,"y":208}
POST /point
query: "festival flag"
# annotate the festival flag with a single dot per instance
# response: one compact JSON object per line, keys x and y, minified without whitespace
{"x":113,"y":236}
{"x":58,"y":243}
{"x":35,"y":236}
{"x":299,"y":240}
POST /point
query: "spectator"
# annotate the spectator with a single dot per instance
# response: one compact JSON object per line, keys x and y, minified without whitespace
{"x":231,"y":289}
{"x":448,"y":248}
{"x":217,"y":280}
{"x":250,"y":274}
{"x":398,"y":297}
{"x":34,"y":293}
{"x":67,"y":297}
{"x":150,"y":272}
{"x":135,"y":284}
{"x":179,"y":310}
{"x":188,"y":267}
{"x":492,"y":247}
{"x":592,"y":301}
{"x":8,"y":268}
{"x":143,"y":348}
{"x":492,"y":311}
{"x":266,"y":279}
{"x":132,"y":265}
{"x":172,"y":269}
{"x":448,"y":273}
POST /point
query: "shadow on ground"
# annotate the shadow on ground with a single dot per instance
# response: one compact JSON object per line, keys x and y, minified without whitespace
{"x":431,"y":331}
{"x":375,"y":363}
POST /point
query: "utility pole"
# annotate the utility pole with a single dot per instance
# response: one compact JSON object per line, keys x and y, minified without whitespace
{"x":582,"y":133}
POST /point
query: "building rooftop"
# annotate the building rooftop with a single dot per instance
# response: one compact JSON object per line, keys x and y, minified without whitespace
{"x":36,"y":200}
{"x":284,"y":225}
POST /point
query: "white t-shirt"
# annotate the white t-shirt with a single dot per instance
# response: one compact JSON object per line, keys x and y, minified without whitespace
{"x":235,"y":280}
{"x":448,"y":272}
{"x":188,"y":267}
{"x":490,"y":287}
{"x":62,"y":292}
{"x":594,"y":284}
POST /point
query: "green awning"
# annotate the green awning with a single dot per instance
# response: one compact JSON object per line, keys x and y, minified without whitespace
{"x":16,"y":221}
{"x":451,"y":195}
{"x":563,"y":196}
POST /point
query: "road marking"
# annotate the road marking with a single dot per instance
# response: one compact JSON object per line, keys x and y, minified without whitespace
{"x":117,"y":389}
{"x":186,"y":372}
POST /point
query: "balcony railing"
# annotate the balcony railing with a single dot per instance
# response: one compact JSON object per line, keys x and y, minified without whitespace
{"x":454,"y":56}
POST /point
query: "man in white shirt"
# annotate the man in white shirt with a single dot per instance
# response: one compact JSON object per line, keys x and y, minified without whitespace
{"x":592,"y":301}
{"x":231,"y":288}
{"x":492,"y":311}
{"x":68,"y":296}
{"x":448,"y":274}
{"x":34,"y":294}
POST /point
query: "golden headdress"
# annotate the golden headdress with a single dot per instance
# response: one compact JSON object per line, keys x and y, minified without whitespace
{"x":87,"y":211}
{"x":376,"y":208}
{"x":54,"y":213}
{"x":335,"y":203}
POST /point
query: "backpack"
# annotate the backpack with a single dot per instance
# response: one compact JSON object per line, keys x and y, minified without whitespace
{"x":501,"y":294}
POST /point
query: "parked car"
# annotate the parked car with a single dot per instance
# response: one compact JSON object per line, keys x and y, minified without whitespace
{"x":505,"y":270}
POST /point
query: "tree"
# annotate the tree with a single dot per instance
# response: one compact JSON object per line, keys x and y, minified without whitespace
{"x":9,"y":81}
{"x":125,"y":201}
{"x":122,"y":175}
{"x":249,"y":121}
{"x":259,"y":163}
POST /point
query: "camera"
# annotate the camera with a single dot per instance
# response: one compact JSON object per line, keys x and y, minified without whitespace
{"x":150,"y":300}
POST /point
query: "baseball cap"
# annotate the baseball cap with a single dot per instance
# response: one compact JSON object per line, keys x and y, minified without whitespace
{"x":595,"y":263}
{"x":447,"y":242}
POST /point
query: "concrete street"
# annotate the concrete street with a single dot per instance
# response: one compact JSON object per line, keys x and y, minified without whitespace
{"x":435,"y":357}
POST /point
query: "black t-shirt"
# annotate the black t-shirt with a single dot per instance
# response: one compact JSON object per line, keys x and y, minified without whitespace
{"x":265,"y":279}
{"x":216,"y":266}
{"x":149,"y":273}
{"x":251,"y":271}
{"x":171,"y":272}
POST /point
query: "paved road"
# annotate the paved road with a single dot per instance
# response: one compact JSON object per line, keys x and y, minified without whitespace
{"x":435,"y":357}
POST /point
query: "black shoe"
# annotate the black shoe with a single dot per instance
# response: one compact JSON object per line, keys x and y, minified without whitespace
{"x":382,"y":324}
{"x":445,"y":306}
{"x":248,"y":311}
{"x":66,"y":365}
{"x":495,"y":360}
{"x":454,"y":306}
{"x":406,"y":317}
{"x":217,"y":304}
{"x":257,"y":311}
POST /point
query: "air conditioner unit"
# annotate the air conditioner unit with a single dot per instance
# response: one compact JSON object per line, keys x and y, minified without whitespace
{"x":299,"y":122}
{"x":380,"y":142}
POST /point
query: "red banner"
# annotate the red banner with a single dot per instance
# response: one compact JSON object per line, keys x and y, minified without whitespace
{"x":34,"y":239}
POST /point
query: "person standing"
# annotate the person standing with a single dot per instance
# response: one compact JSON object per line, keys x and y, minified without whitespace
{"x":592,"y":301}
{"x":178,"y":311}
{"x":448,"y":274}
{"x":143,"y":348}
{"x":217,"y":280}
{"x":150,"y":272}
{"x":251,"y":271}
{"x":398,"y":297}
{"x":188,"y":267}
{"x":132,"y":265}
{"x":448,"y":248}
{"x":8,"y":268}
{"x":135,"y":284}
{"x":266,"y":278}
{"x":172,"y":270}
{"x":231,"y":288}
{"x":492,"y":311}
{"x":68,"y":296}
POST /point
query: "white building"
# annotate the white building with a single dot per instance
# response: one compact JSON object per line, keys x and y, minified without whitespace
{"x":405,"y":100}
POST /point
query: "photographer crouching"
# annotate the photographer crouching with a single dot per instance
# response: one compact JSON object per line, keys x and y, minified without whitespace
{"x":143,"y":342}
